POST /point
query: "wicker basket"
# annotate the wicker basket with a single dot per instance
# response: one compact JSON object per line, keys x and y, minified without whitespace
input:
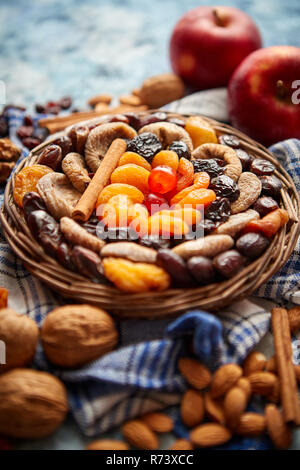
{"x":154,"y":304}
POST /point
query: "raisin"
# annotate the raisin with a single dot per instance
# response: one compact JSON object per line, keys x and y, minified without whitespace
{"x":40,"y":108}
{"x":271,"y":186}
{"x":116,"y":234}
{"x":51,"y":157}
{"x":65,"y":144}
{"x":225,"y":186}
{"x":210,"y":166}
{"x":181,"y":149}
{"x":46,"y":230}
{"x":219,"y":210}
{"x":87,"y":262}
{"x":230,"y":140}
{"x":264,"y":205}
{"x":147,"y":145}
{"x":205,"y":227}
{"x":228,"y":263}
{"x":28,"y":121}
{"x":262,"y":167}
{"x":252,"y":245}
{"x":155,"y":242}
{"x":202,"y":269}
{"x":175,"y":267}
{"x":32,"y":201}
{"x":152,"y":118}
{"x":245,"y":158}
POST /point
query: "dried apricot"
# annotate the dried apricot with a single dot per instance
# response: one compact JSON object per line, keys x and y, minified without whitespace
{"x":137,"y":211}
{"x":131,"y":174}
{"x":186,"y":174}
{"x":3,"y":297}
{"x":166,"y":157}
{"x":198,"y":197}
{"x":200,"y":131}
{"x":270,"y":224}
{"x":190,"y":215}
{"x":177,"y":197}
{"x":115,"y":212}
{"x":119,"y":188}
{"x":135,"y":277}
{"x":132,"y":157}
{"x":27,"y":179}
{"x":167,"y":226}
{"x":202,"y":180}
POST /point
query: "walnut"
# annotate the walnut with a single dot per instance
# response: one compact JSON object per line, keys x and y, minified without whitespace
{"x":9,"y":151}
{"x":20,"y":335}
{"x":5,"y":170}
{"x":74,"y":335}
{"x":33,"y":404}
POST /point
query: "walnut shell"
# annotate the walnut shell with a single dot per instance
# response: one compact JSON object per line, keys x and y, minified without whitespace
{"x":73,"y":335}
{"x":33,"y":404}
{"x":20,"y":336}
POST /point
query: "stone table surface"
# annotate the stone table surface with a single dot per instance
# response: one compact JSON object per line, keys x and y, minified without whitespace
{"x":51,"y":48}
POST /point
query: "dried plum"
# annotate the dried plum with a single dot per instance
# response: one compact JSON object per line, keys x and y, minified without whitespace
{"x":116,"y":234}
{"x":175,"y":267}
{"x":202,"y":269}
{"x":245,"y":158}
{"x":147,"y":145}
{"x":211,"y":166}
{"x":271,"y":186}
{"x":230,"y":140}
{"x":205,"y":227}
{"x":181,"y":149}
{"x":219,"y":210}
{"x":262,"y":167}
{"x":228,"y":263}
{"x":252,"y":245}
{"x":263,"y":205}
{"x":224,"y":186}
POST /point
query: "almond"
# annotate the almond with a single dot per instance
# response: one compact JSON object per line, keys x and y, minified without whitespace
{"x":210,"y":434}
{"x":181,"y":444}
{"x":214,"y":409}
{"x":195,"y":373}
{"x":262,"y":383}
{"x":274,"y":396}
{"x":225,"y":378}
{"x":235,"y":403}
{"x":245,"y":385}
{"x":254,"y":362}
{"x":192,"y":408}
{"x":271,"y":365}
{"x":251,"y":424}
{"x":161,"y":89}
{"x":101,"y":108}
{"x":107,"y":444}
{"x":278,"y":430}
{"x":104,"y":98}
{"x":158,"y":422}
{"x":131,"y":100}
{"x":139,"y":435}
{"x":294,"y":318}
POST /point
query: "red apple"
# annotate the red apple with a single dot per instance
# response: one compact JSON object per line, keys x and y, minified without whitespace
{"x":263,"y":100}
{"x":208,"y":43}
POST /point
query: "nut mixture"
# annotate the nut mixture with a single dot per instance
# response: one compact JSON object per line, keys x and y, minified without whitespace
{"x":159,"y":203}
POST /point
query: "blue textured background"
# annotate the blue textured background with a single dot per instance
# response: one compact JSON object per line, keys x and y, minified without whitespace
{"x":50,"y":48}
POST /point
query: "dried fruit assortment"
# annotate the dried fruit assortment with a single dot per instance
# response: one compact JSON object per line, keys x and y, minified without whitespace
{"x":183,"y":205}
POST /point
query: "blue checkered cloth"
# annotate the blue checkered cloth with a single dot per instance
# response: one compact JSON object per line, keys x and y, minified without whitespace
{"x":141,"y":374}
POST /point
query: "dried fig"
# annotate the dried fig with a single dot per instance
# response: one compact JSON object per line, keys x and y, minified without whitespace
{"x":237,"y":222}
{"x":101,"y":137}
{"x":77,"y":235}
{"x":250,"y":188}
{"x":20,"y":336}
{"x":168,"y":133}
{"x":130,"y":251}
{"x":33,"y":404}
{"x":58,"y":194}
{"x":208,"y":246}
{"x":73,"y":335}
{"x":73,"y":166}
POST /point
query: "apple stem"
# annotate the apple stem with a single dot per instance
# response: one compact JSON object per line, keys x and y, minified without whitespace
{"x":281,"y":90}
{"x":217,"y":17}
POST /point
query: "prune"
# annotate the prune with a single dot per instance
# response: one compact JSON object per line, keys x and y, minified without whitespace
{"x":245,"y":158}
{"x":177,"y":121}
{"x":264,"y":205}
{"x":63,"y":256}
{"x":65,"y":144}
{"x":218,"y":210}
{"x":262,"y":167}
{"x":230,"y":140}
{"x":252,"y":245}
{"x":65,"y":102}
{"x":147,"y":145}
{"x":224,"y":186}
{"x":211,"y":166}
{"x":24,"y":131}
{"x":205,"y":227}
{"x":116,"y":234}
{"x":181,"y":149}
{"x":31,"y":142}
{"x":271,"y":186}
{"x":202,"y":269}
{"x":40,"y":133}
{"x":228,"y":263}
{"x":52,"y":157}
{"x":31,"y":202}
{"x":46,"y":230}
{"x":175,"y":267}
{"x":152,"y":118}
{"x":87,"y":262}
{"x":155,"y":242}
{"x":3,"y":127}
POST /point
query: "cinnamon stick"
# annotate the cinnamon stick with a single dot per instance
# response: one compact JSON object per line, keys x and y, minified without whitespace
{"x":87,"y":202}
{"x":286,"y":370}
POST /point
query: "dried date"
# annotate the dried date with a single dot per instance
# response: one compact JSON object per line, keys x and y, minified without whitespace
{"x":46,"y":230}
{"x":88,"y":263}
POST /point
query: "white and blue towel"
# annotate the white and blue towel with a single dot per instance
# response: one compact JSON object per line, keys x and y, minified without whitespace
{"x":141,"y":374}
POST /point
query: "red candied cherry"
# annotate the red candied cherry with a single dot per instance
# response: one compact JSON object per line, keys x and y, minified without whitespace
{"x":155,"y":203}
{"x":162,"y":179}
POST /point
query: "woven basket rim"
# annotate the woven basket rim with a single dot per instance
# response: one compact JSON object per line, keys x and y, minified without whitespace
{"x":154,"y":304}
